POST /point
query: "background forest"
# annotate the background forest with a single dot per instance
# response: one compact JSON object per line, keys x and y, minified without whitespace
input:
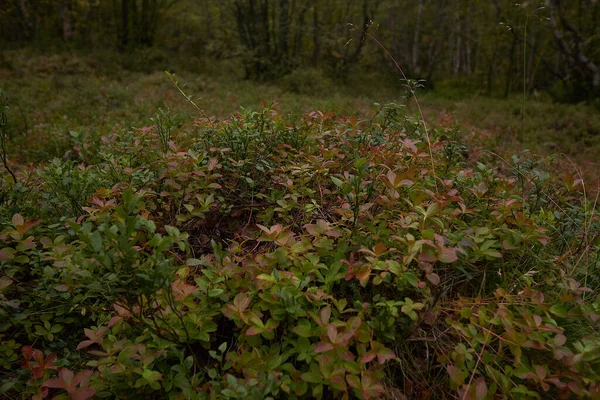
{"x":370,"y":199}
{"x":494,"y":47}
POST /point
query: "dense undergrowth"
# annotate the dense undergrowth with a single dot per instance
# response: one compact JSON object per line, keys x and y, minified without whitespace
{"x":271,"y":257}
{"x":53,"y":92}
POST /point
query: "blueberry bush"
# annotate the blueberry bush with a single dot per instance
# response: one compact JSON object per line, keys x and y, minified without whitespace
{"x":318,"y":256}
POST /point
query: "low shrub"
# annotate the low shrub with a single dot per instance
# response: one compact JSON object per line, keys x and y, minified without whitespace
{"x":266,"y":257}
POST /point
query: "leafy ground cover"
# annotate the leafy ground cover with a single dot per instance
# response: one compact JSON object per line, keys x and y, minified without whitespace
{"x":101,"y":94}
{"x":269,"y":255}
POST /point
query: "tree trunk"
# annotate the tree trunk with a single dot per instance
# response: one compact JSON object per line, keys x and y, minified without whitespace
{"x":29,"y":24}
{"x":135,"y":26}
{"x":458,"y":44}
{"x":575,"y":53}
{"x":316,"y":37}
{"x":145,"y":23}
{"x":124,"y":34}
{"x":416,"y":39}
{"x":284,"y":30}
{"x":490,"y":77}
{"x":67,"y":20}
{"x":510,"y":68}
{"x":297,"y":47}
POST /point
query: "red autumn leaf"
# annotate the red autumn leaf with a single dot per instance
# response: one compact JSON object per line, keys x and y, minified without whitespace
{"x":426,"y":257}
{"x":456,"y":374}
{"x":410,"y":145}
{"x":320,"y":227}
{"x":254,"y":330}
{"x":83,"y":393}
{"x":41,"y":394}
{"x":506,"y":245}
{"x":18,"y":220}
{"x":447,"y":255}
{"x":323,"y":347}
{"x":351,"y":264}
{"x":68,"y":381}
{"x":332,"y":332}
{"x":379,"y":249}
{"x":384,"y":354}
{"x":122,"y":315}
{"x":363,"y":273}
{"x":378,"y":350}
{"x":212,"y":163}
{"x":390,"y":179}
{"x":481,"y":389}
{"x":369,"y":387}
{"x":27,"y":225}
{"x":84,"y":344}
{"x":242,"y":301}
{"x":353,"y":381}
{"x":368,"y":357}
{"x":6,"y":255}
{"x":433,"y":278}
{"x":41,"y":363}
{"x":324,"y":315}
{"x":28,"y":353}
{"x":181,"y":290}
{"x":560,"y":339}
{"x":94,"y":336}
{"x":114,"y":320}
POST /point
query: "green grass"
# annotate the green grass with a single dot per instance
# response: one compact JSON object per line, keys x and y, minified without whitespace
{"x":546,"y":127}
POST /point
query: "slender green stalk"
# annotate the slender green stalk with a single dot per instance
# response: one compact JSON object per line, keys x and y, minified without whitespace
{"x":4,"y":136}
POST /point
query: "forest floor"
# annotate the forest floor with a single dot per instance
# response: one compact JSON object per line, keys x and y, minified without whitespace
{"x":53,"y":95}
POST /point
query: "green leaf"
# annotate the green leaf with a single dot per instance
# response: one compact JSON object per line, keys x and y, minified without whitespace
{"x":360,"y":162}
{"x":303,"y":329}
{"x":7,"y":253}
{"x":5,"y":282}
{"x":493,"y":253}
{"x":432,"y":210}
{"x":7,"y":386}
{"x":40,"y":330}
{"x":223,"y":347}
{"x":312,"y":377}
{"x":216,"y":292}
{"x":395,"y":267}
{"x":457,"y":375}
{"x":151,"y":376}
{"x":559,"y":310}
{"x":338,"y":182}
{"x":96,"y":240}
{"x":22,"y":259}
{"x":354,"y":381}
{"x":466,"y":312}
{"x":301,"y":247}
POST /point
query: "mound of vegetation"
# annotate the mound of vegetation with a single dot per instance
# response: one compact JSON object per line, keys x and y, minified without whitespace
{"x":269,"y":257}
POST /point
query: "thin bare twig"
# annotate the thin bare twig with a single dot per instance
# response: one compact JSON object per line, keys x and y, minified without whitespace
{"x":421,"y":114}
{"x":188,"y":98}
